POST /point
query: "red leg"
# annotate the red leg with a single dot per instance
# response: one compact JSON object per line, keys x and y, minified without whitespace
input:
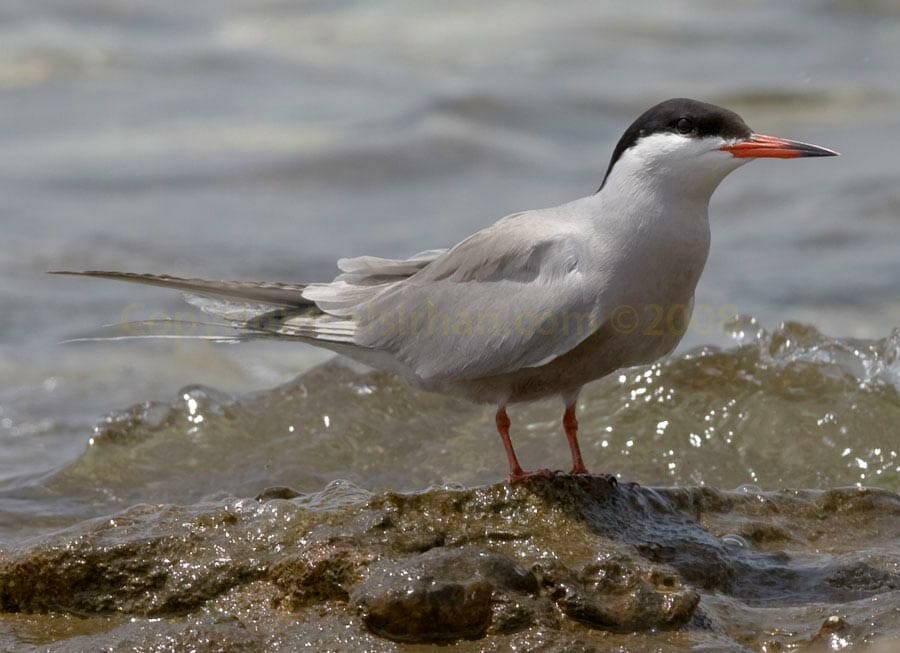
{"x":570,"y":424}
{"x":516,"y":473}
{"x":503,"y":424}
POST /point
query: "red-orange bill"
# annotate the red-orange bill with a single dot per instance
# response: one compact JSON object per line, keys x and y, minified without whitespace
{"x":759,"y":146}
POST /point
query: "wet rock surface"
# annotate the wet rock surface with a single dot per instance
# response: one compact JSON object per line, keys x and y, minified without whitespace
{"x":621,"y":594}
{"x":444,"y":594}
{"x":558,"y":564}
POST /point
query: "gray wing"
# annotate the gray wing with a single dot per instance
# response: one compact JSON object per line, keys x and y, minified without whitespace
{"x":514,"y":295}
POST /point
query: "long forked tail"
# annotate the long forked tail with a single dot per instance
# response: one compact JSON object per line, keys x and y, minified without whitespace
{"x":288,"y":295}
{"x":247,"y":310}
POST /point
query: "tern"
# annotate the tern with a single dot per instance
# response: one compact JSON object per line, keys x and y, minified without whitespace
{"x":539,"y":303}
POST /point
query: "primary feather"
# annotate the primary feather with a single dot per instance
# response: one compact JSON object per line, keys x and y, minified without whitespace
{"x":267,"y":292}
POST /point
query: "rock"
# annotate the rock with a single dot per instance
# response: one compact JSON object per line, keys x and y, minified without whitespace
{"x":322,"y":573}
{"x":555,"y":564}
{"x":122,"y":565}
{"x":443,"y":594}
{"x":277,"y":492}
{"x":619,"y":594}
{"x":834,"y":635}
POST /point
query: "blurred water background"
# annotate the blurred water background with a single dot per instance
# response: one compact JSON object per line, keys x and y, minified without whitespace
{"x":264,"y":139}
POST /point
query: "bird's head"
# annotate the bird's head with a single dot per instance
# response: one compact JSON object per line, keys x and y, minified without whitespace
{"x":688,"y":146}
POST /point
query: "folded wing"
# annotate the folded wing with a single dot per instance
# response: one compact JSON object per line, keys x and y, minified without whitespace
{"x":511,"y":296}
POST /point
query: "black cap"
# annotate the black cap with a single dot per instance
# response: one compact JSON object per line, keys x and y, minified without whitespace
{"x":691,"y":118}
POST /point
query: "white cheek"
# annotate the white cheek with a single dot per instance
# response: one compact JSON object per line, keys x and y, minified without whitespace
{"x":720,"y":160}
{"x":659,"y":149}
{"x":664,"y":155}
{"x":675,"y":161}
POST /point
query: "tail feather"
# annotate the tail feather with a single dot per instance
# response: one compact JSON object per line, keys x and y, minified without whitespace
{"x":161,"y":329}
{"x":245,"y":306}
{"x":309,"y":323}
{"x":288,"y":295}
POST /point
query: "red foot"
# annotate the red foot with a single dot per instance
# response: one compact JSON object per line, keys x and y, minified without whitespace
{"x":579,"y":470}
{"x":519,"y":476}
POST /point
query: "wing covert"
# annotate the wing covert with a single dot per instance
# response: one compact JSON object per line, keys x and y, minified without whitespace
{"x":513,"y":295}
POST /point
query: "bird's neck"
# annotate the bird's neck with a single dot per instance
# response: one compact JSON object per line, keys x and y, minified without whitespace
{"x":654,"y":203}
{"x":655,"y":235}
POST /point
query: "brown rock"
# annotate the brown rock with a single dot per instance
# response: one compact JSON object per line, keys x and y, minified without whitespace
{"x":443,"y":594}
{"x":616,"y":594}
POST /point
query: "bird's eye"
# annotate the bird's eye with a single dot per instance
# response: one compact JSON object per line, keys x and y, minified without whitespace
{"x":684,"y":125}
